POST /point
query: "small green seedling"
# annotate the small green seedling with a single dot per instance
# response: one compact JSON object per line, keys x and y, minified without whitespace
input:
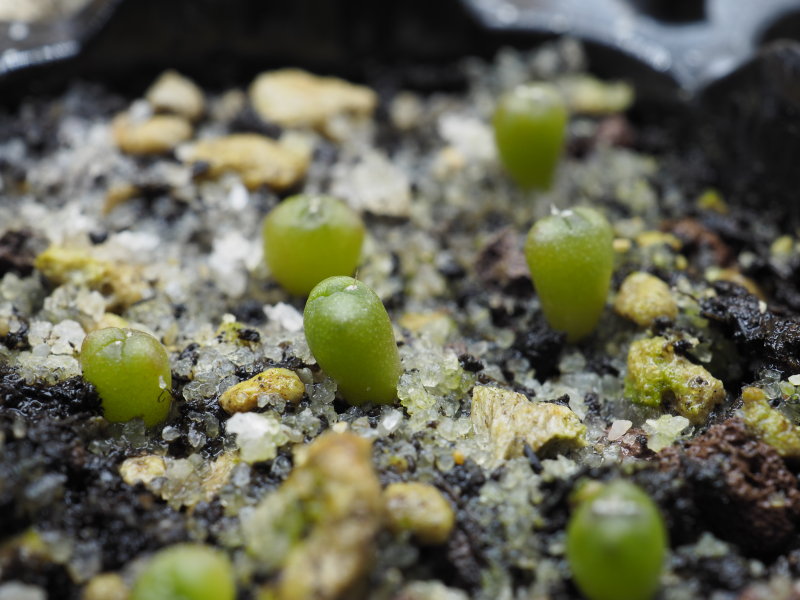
{"x":350,"y":335}
{"x":571,"y":258}
{"x":186,"y":572}
{"x":131,"y":372}
{"x":308,"y":238}
{"x":616,"y":544}
{"x":529,"y":129}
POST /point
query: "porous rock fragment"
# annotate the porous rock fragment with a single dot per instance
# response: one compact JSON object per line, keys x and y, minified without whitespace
{"x":176,"y":94}
{"x":244,"y":396}
{"x":766,"y":338}
{"x":320,"y":525}
{"x":656,"y":373}
{"x":158,"y":134}
{"x":121,"y":284}
{"x":296,"y":98}
{"x":419,"y":508}
{"x":740,"y":485}
{"x":511,"y":421}
{"x":643,"y":298}
{"x":257,"y":159}
{"x":769,"y":425}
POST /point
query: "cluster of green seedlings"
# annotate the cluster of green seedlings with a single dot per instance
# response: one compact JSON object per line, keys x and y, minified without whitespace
{"x":616,"y":539}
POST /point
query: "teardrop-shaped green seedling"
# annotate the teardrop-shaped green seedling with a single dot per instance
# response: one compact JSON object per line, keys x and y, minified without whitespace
{"x":616,"y":544}
{"x":186,"y":572}
{"x":571,"y":258}
{"x":530,"y":122}
{"x":350,"y":335}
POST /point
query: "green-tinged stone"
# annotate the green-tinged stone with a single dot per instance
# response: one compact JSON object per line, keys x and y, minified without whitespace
{"x":319,"y":527}
{"x":656,"y":374}
{"x":769,"y":425}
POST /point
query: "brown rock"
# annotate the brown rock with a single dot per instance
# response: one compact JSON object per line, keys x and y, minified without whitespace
{"x":501,"y":261}
{"x":740,"y":485}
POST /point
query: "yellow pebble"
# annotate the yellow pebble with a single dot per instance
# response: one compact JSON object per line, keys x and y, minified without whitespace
{"x":106,"y":586}
{"x":243,"y":396}
{"x":420,"y":509}
{"x":653,"y":238}
{"x":643,"y":298}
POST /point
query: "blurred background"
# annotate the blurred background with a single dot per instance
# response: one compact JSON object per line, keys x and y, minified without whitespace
{"x":726,"y":72}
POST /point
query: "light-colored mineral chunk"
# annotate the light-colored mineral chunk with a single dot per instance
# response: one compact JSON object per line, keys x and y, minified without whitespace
{"x":320,"y":525}
{"x":176,"y":94}
{"x":121,"y":284}
{"x":142,"y":469}
{"x":257,"y":159}
{"x":430,"y":590}
{"x":244,"y":396}
{"x":106,"y":586}
{"x":656,"y":374}
{"x":510,"y":421}
{"x":158,"y":134}
{"x":643,"y":298}
{"x":663,"y":432}
{"x":769,"y":425}
{"x":258,"y":436}
{"x":591,"y":96}
{"x":419,"y":508}
{"x":296,"y":98}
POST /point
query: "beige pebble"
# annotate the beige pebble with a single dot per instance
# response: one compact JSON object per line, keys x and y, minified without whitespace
{"x":295,"y":98}
{"x":118,"y":194}
{"x":618,"y":428}
{"x":419,"y":508}
{"x":106,"y":586}
{"x":244,"y":396}
{"x":142,"y":469}
{"x":643,"y":298}
{"x":176,"y":94}
{"x":256,"y":158}
{"x":121,"y":284}
{"x":510,"y":420}
{"x":158,"y":134}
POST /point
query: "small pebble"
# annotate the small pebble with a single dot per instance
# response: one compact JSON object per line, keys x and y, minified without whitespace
{"x":176,"y":94}
{"x":156,"y":135}
{"x":295,"y":98}
{"x":421,"y":509}
{"x":618,"y":428}
{"x":244,"y":396}
{"x":142,"y":469}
